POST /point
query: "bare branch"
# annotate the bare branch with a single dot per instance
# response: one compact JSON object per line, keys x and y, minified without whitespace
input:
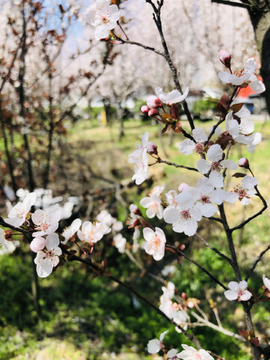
{"x":256,"y":262}
{"x":160,"y":161}
{"x":214,"y":249}
{"x":254,"y":216}
{"x":226,"y":2}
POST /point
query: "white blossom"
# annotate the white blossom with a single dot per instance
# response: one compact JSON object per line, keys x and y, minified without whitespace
{"x":192,"y":354}
{"x":155,"y":345}
{"x":104,"y":16}
{"x":71,"y":230}
{"x":155,"y":242}
{"x":16,"y":216}
{"x":171,"y":98}
{"x":120,"y":242}
{"x":91,"y":232}
{"x":238,"y":291}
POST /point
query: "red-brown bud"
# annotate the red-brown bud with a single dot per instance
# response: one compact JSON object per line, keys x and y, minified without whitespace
{"x":184,"y":296}
{"x":243,"y":162}
{"x":145,"y":109}
{"x":153,"y":112}
{"x":152,"y":148}
{"x":225,"y":58}
{"x":8,"y":234}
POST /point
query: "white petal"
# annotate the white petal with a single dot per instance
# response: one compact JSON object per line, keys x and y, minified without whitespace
{"x":153,"y":346}
{"x":203,"y":166}
{"x":231,"y":295}
{"x":229,"y":164}
{"x":148,"y":233}
{"x":216,"y":179}
{"x":215,"y":153}
{"x":247,"y":295}
{"x":233,"y":285}
{"x":199,"y":135}
{"x":187,"y":147}
{"x":45,"y":269}
{"x":170,"y":215}
{"x":243,"y":284}
{"x":52,"y":241}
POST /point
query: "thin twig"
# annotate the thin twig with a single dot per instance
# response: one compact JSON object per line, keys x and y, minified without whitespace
{"x":231,"y":3}
{"x":254,"y":216}
{"x":89,"y":263}
{"x":160,"y":161}
{"x":214,"y":249}
{"x":181,"y":253}
{"x":256,"y":262}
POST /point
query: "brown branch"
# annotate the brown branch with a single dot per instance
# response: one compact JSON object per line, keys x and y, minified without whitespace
{"x":256,"y":262}
{"x":181,"y":253}
{"x":226,"y":2}
{"x":214,"y":249}
{"x":128,"y":287}
{"x":146,"y":47}
{"x":254,"y":216}
{"x":160,"y":161}
{"x":3,"y":223}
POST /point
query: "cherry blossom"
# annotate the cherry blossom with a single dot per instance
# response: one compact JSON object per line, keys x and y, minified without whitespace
{"x":71,"y":230}
{"x":91,"y":232}
{"x":183,"y":218}
{"x":37,"y":244}
{"x":155,"y":345}
{"x":139,"y":148}
{"x":244,"y":77}
{"x":180,"y":318}
{"x":238,"y":291}
{"x":155,"y":242}
{"x":225,"y":58}
{"x":141,"y":168}
{"x":171,"y":98}
{"x":192,"y":354}
{"x":205,"y":195}
{"x":215,"y":154}
{"x":133,"y":222}
{"x":153,"y":203}
{"x":104,"y":16}
{"x":47,"y":259}
{"x":120,"y":242}
{"x":188,"y":146}
{"x":172,"y":354}
{"x":17,"y":215}
{"x":46,"y":222}
{"x":266,"y":282}
{"x":246,"y":190}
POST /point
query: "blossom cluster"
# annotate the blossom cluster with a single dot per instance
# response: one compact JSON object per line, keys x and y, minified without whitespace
{"x":43,"y":224}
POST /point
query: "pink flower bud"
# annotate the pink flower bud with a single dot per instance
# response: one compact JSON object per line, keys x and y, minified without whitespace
{"x":37,"y":244}
{"x":243,"y":162}
{"x":153,"y":102}
{"x":158,"y":103}
{"x":145,"y":109}
{"x":152,"y":148}
{"x":182,"y":187}
{"x":184,"y":296}
{"x":225,"y":58}
{"x":153,"y":112}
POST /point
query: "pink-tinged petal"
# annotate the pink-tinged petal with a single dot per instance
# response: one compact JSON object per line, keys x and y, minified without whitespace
{"x":45,"y":269}
{"x":243,"y":284}
{"x":229,"y":164}
{"x":148,"y":233}
{"x":246,"y":296}
{"x":216,"y":179}
{"x":233,"y":285}
{"x":170,"y":215}
{"x":231,"y":295}
{"x":37,"y":244}
{"x":52,"y":241}
{"x":38,"y":217}
{"x":203,"y":166}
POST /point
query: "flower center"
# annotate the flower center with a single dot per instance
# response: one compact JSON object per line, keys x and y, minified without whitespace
{"x":199,"y":148}
{"x":155,"y":242}
{"x":242,"y":192}
{"x":239,"y":73}
{"x":205,"y":199}
{"x":216,"y":166}
{"x":49,"y":254}
{"x":185,"y":214}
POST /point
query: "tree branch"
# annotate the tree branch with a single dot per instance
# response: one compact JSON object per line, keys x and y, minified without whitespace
{"x":225,"y":2}
{"x":160,"y":161}
{"x":256,"y":262}
{"x":254,"y":216}
{"x":214,"y":249}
